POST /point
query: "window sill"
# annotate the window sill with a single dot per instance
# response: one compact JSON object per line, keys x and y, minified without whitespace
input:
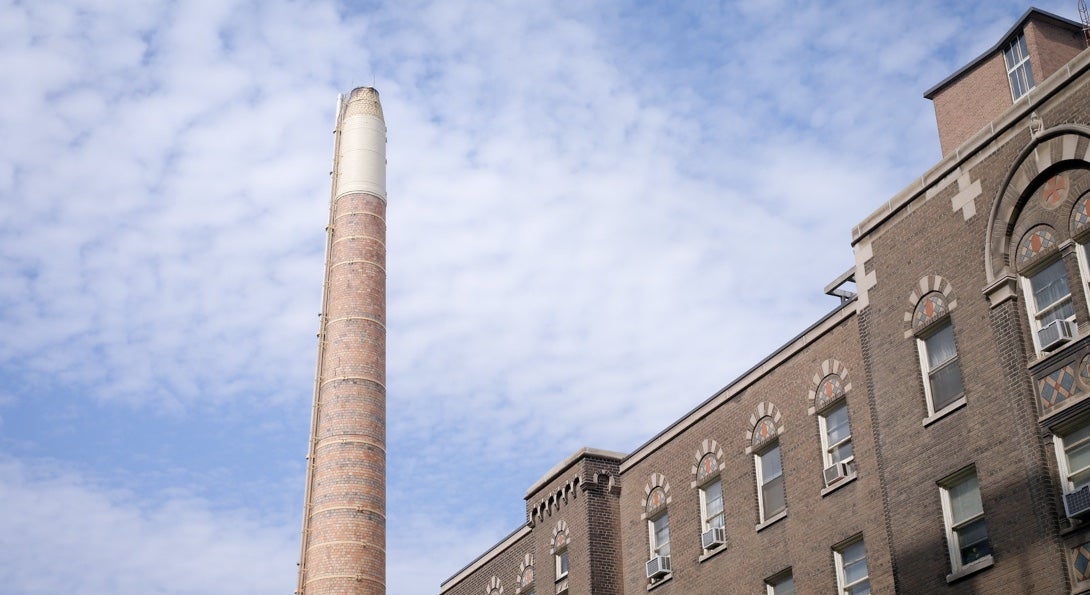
{"x":709,"y":554}
{"x":660,"y":582}
{"x":970,"y":569}
{"x":772,"y":520}
{"x":1073,"y":526}
{"x":836,"y":486}
{"x":941,"y":413}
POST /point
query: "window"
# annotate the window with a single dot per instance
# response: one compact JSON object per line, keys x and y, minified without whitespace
{"x":711,"y":505}
{"x":851,"y":568}
{"x":966,"y":531}
{"x":770,"y":494}
{"x":1018,"y":68}
{"x":562,"y":563}
{"x":781,"y":584}
{"x":659,"y":528}
{"x":1051,"y":295}
{"x":1073,"y":453}
{"x":942,"y":372}
{"x":836,"y":435}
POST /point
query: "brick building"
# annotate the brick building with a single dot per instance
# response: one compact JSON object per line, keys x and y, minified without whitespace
{"x":929,"y":435}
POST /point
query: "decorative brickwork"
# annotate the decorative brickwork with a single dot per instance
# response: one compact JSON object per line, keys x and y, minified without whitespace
{"x":1037,"y":242}
{"x":707,"y":462}
{"x":656,"y":495}
{"x":932,"y":307}
{"x":828,"y":384}
{"x":561,"y":537}
{"x":766,"y":423}
{"x":931,"y":299}
{"x":1080,"y":561}
{"x":495,"y":587}
{"x":1054,"y":191}
{"x":556,"y":499}
{"x":1080,"y":215}
{"x":1062,"y":149}
{"x":525,"y":578}
{"x":1057,"y":387}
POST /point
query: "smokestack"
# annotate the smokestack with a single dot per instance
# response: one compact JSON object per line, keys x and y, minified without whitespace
{"x":344,"y":521}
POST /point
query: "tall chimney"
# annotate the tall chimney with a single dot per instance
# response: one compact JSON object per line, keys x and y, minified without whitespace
{"x":344,"y":522}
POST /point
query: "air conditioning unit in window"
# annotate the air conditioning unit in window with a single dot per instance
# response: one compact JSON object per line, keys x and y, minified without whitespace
{"x":1054,"y":334}
{"x":835,"y":473}
{"x":658,"y":566}
{"x":1077,"y":503}
{"x":713,"y":538}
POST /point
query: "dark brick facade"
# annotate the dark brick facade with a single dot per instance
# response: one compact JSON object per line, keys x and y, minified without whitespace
{"x":957,"y":233}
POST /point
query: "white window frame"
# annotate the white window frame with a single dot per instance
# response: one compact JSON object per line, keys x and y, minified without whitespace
{"x":1083,"y":257}
{"x":775,"y":585}
{"x":1016,"y":59}
{"x":828,"y":448}
{"x":655,"y":547}
{"x":843,"y":587}
{"x":761,"y":482}
{"x":563,"y":562}
{"x":1064,"y":444}
{"x":1035,"y":315}
{"x":928,"y":372}
{"x":953,"y":539}
{"x":705,"y":520}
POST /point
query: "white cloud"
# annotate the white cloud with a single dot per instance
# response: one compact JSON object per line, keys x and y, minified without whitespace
{"x":598,"y":216}
{"x":67,"y":533}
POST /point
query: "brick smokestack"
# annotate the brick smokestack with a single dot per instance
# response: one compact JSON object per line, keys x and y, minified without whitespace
{"x":344,"y":522}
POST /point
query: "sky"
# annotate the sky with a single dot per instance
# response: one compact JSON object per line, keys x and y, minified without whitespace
{"x":599,"y":214}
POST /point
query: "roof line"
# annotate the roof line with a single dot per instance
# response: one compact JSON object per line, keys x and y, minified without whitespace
{"x":823,"y":325}
{"x":562,"y":466}
{"x":1004,"y":40}
{"x":488,"y":554}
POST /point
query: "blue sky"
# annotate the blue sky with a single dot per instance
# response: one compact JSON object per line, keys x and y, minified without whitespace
{"x":599,"y":215}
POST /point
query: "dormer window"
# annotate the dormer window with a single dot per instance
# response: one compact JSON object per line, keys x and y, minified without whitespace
{"x":1018,"y":68}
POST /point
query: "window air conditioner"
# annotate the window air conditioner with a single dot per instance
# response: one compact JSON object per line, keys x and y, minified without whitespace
{"x":714,"y":537}
{"x":658,"y":566}
{"x":1077,"y":503}
{"x":1054,"y":334}
{"x":835,"y":473}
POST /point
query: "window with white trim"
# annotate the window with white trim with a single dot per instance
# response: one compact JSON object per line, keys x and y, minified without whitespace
{"x":711,"y":505}
{"x":1073,"y":455}
{"x":659,"y":529}
{"x":1050,"y":296}
{"x":770,"y":492}
{"x":943,"y":383}
{"x":1019,"y":71}
{"x":781,"y":584}
{"x":963,"y":512}
{"x":851,"y":568}
{"x":836,"y":435}
{"x":561,"y":557}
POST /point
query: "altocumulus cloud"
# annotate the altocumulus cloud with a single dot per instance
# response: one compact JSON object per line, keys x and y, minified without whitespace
{"x":588,"y":205}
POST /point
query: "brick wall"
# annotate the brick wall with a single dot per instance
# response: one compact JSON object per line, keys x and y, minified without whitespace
{"x":982,"y":93}
{"x":953,"y":232}
{"x":978,"y":97}
{"x":346,"y":530}
{"x":1051,"y":47}
{"x":814,"y":522}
